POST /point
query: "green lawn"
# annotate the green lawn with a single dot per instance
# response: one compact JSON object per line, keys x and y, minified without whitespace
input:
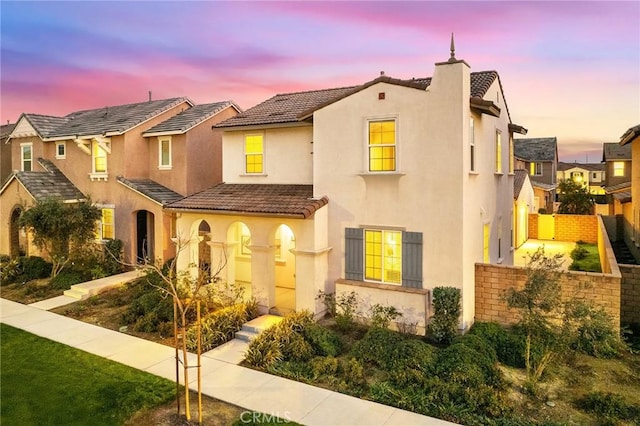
{"x":47,"y":383}
{"x":585,"y":258}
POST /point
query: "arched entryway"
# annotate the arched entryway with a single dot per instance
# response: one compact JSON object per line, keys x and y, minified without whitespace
{"x":285,"y":270}
{"x":204,"y":249}
{"x":18,"y":238}
{"x":144,"y":236}
{"x":238,"y":262}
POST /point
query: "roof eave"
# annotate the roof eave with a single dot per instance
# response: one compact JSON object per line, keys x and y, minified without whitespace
{"x":138,"y":192}
{"x":262,"y":126}
{"x":630,"y":135}
{"x":515,"y":128}
{"x":484,"y":107}
{"x":237,"y":212}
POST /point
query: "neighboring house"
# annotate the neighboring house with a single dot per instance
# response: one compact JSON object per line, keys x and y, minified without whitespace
{"x":129,"y":160}
{"x":388,"y":189}
{"x":523,"y":205}
{"x":630,"y":140}
{"x":5,"y":151}
{"x":590,"y":175}
{"x":540,"y":157}
{"x":617,"y":161}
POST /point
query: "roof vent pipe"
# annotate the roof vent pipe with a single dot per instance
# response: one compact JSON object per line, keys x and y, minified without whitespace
{"x":149,"y":95}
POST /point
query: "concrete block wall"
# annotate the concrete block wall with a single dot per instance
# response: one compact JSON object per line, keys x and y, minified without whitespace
{"x":493,"y":280}
{"x":569,"y":227}
{"x":630,"y":294}
{"x":533,"y":226}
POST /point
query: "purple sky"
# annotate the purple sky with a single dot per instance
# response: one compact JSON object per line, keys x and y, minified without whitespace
{"x":569,"y":69}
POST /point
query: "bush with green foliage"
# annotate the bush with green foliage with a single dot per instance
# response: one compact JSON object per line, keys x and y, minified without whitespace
{"x":33,"y":268}
{"x":344,"y":308}
{"x":610,"y":407}
{"x":9,"y":269}
{"x":508,"y":343}
{"x":324,"y":341}
{"x":443,"y":327}
{"x":381,"y":315}
{"x":149,"y":307}
{"x":586,"y":258}
{"x":68,"y":277}
{"x":464,"y":365}
{"x":220,"y":326}
{"x":113,"y":257}
{"x":591,"y":329}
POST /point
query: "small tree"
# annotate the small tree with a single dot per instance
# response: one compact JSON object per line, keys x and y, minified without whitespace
{"x":446,"y":307}
{"x":574,"y":198}
{"x":59,"y":228}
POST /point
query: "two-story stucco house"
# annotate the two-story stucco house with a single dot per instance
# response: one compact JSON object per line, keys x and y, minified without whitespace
{"x":630,"y":140}
{"x":129,"y":160}
{"x":590,"y":175}
{"x":617,"y":163}
{"x":540,"y":157}
{"x":387,"y":189}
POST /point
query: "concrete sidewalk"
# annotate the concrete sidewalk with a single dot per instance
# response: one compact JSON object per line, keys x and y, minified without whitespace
{"x":222,"y":380}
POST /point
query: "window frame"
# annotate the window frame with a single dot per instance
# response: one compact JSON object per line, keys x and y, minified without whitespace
{"x":100,"y":224}
{"x":370,"y":146}
{"x":472,"y":145}
{"x":63,"y":145}
{"x":395,"y":257}
{"x":169,"y":164}
{"x":511,"y":158}
{"x":23,"y":160}
{"x":498,"y":153}
{"x":246,"y":154}
{"x":95,"y":146}
{"x":618,"y":171}
{"x":535,"y":168}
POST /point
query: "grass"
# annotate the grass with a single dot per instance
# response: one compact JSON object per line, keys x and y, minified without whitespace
{"x":47,"y":383}
{"x":585,"y":258}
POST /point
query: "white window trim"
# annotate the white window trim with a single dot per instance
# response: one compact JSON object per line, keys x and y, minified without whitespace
{"x":22,"y":160}
{"x":622,"y":169}
{"x":264,"y":154}
{"x":99,"y":175}
{"x":364,"y":254}
{"x":499,"y":162}
{"x":473,"y":154}
{"x":160,"y":165}
{"x":64,"y":147}
{"x":396,"y":144}
{"x":99,"y":224}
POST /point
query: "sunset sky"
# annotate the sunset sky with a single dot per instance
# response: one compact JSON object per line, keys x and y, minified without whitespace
{"x":568,"y":69}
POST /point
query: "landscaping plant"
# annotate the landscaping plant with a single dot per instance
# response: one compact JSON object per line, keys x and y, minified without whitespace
{"x":444,"y":323}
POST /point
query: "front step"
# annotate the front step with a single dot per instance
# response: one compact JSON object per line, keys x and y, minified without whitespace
{"x":251,"y":329}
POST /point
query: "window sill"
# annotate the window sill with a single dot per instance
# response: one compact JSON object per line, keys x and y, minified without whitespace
{"x":165,"y":167}
{"x":253,"y":175}
{"x":474,"y":173}
{"x":61,"y":157}
{"x":380,"y":286}
{"x":367,"y":174}
{"x":498,"y":174}
{"x":99,"y":176}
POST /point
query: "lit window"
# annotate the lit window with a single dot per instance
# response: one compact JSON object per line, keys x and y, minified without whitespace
{"x":26,"y":157}
{"x":511,"y":166}
{"x":61,"y":150}
{"x":535,"y":169}
{"x":472,"y":145}
{"x":486,"y":234}
{"x":99,"y":158}
{"x":576,"y":177}
{"x":382,"y":146}
{"x":164,"y":152}
{"x":105,"y":227}
{"x":254,"y":154}
{"x":383,"y":256}
{"x":618,"y":168}
{"x":498,"y":151}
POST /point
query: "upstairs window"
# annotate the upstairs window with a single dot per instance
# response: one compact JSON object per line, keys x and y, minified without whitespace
{"x":254,"y":154}
{"x":382,"y":146}
{"x":164,"y":152}
{"x":61,"y":150}
{"x":99,"y":157}
{"x":498,"y":151}
{"x":618,"y":168}
{"x":535,"y":169}
{"x":472,"y":145}
{"x":26,"y":157}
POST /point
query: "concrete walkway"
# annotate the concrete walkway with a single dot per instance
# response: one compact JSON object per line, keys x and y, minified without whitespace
{"x":222,"y":379}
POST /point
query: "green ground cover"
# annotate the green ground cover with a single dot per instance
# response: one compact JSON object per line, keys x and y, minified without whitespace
{"x":47,"y":383}
{"x":585,"y":258}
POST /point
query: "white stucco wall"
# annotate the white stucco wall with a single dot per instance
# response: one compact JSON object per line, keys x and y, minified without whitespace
{"x":287,"y":155}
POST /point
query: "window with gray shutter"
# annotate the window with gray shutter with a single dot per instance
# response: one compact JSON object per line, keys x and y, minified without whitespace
{"x":354,"y":254}
{"x":412,"y":259}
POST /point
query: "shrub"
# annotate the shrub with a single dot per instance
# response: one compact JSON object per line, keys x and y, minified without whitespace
{"x":217,"y":328}
{"x":343,"y":308}
{"x":478,"y":344}
{"x":68,"y":277}
{"x":34,"y":267}
{"x":508,"y":344}
{"x":579,"y":252}
{"x":466,"y":366}
{"x":380,"y":347}
{"x":294,"y":370}
{"x":9,"y":269}
{"x":444,"y":323}
{"x":592,"y":330}
{"x":113,"y":257}
{"x":324,"y":366}
{"x":609,"y":406}
{"x":381,"y":316}
{"x":149,"y":302}
{"x":353,"y":373}
{"x":323,"y":341}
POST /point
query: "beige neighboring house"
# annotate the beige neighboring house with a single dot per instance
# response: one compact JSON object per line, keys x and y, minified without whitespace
{"x":523,"y":205}
{"x":617,"y":160}
{"x":631,"y":141}
{"x":590,"y":175}
{"x":388,"y":189}
{"x":540,"y":157}
{"x":130,"y":160}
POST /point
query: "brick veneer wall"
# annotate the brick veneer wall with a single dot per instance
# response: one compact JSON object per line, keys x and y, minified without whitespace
{"x":569,"y":227}
{"x":493,"y":280}
{"x":630,"y":294}
{"x":533,"y":226}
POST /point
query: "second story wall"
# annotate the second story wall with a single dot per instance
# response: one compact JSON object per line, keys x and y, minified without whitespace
{"x":618,"y":171}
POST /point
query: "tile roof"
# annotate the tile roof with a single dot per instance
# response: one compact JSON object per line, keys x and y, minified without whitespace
{"x":593,"y":167}
{"x":535,"y":149}
{"x":623,"y":197}
{"x":617,"y":187}
{"x":614,"y":151}
{"x":151,"y":189}
{"x":542,"y":185}
{"x":254,"y":199}
{"x":630,"y":135}
{"x":518,"y":181}
{"x":188,"y":118}
{"x":292,"y":107}
{"x":101,"y":121}
{"x":51,"y":183}
{"x":5,"y":131}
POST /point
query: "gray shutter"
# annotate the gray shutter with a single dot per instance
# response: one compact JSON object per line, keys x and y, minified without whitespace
{"x":412,"y":259}
{"x":353,"y":254}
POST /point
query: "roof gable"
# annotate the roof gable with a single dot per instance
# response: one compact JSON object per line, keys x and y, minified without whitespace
{"x":614,"y":151}
{"x":51,"y":183}
{"x":519,"y":179}
{"x":188,"y":119}
{"x":536,"y":149}
{"x":151,"y":189}
{"x":630,"y":135}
